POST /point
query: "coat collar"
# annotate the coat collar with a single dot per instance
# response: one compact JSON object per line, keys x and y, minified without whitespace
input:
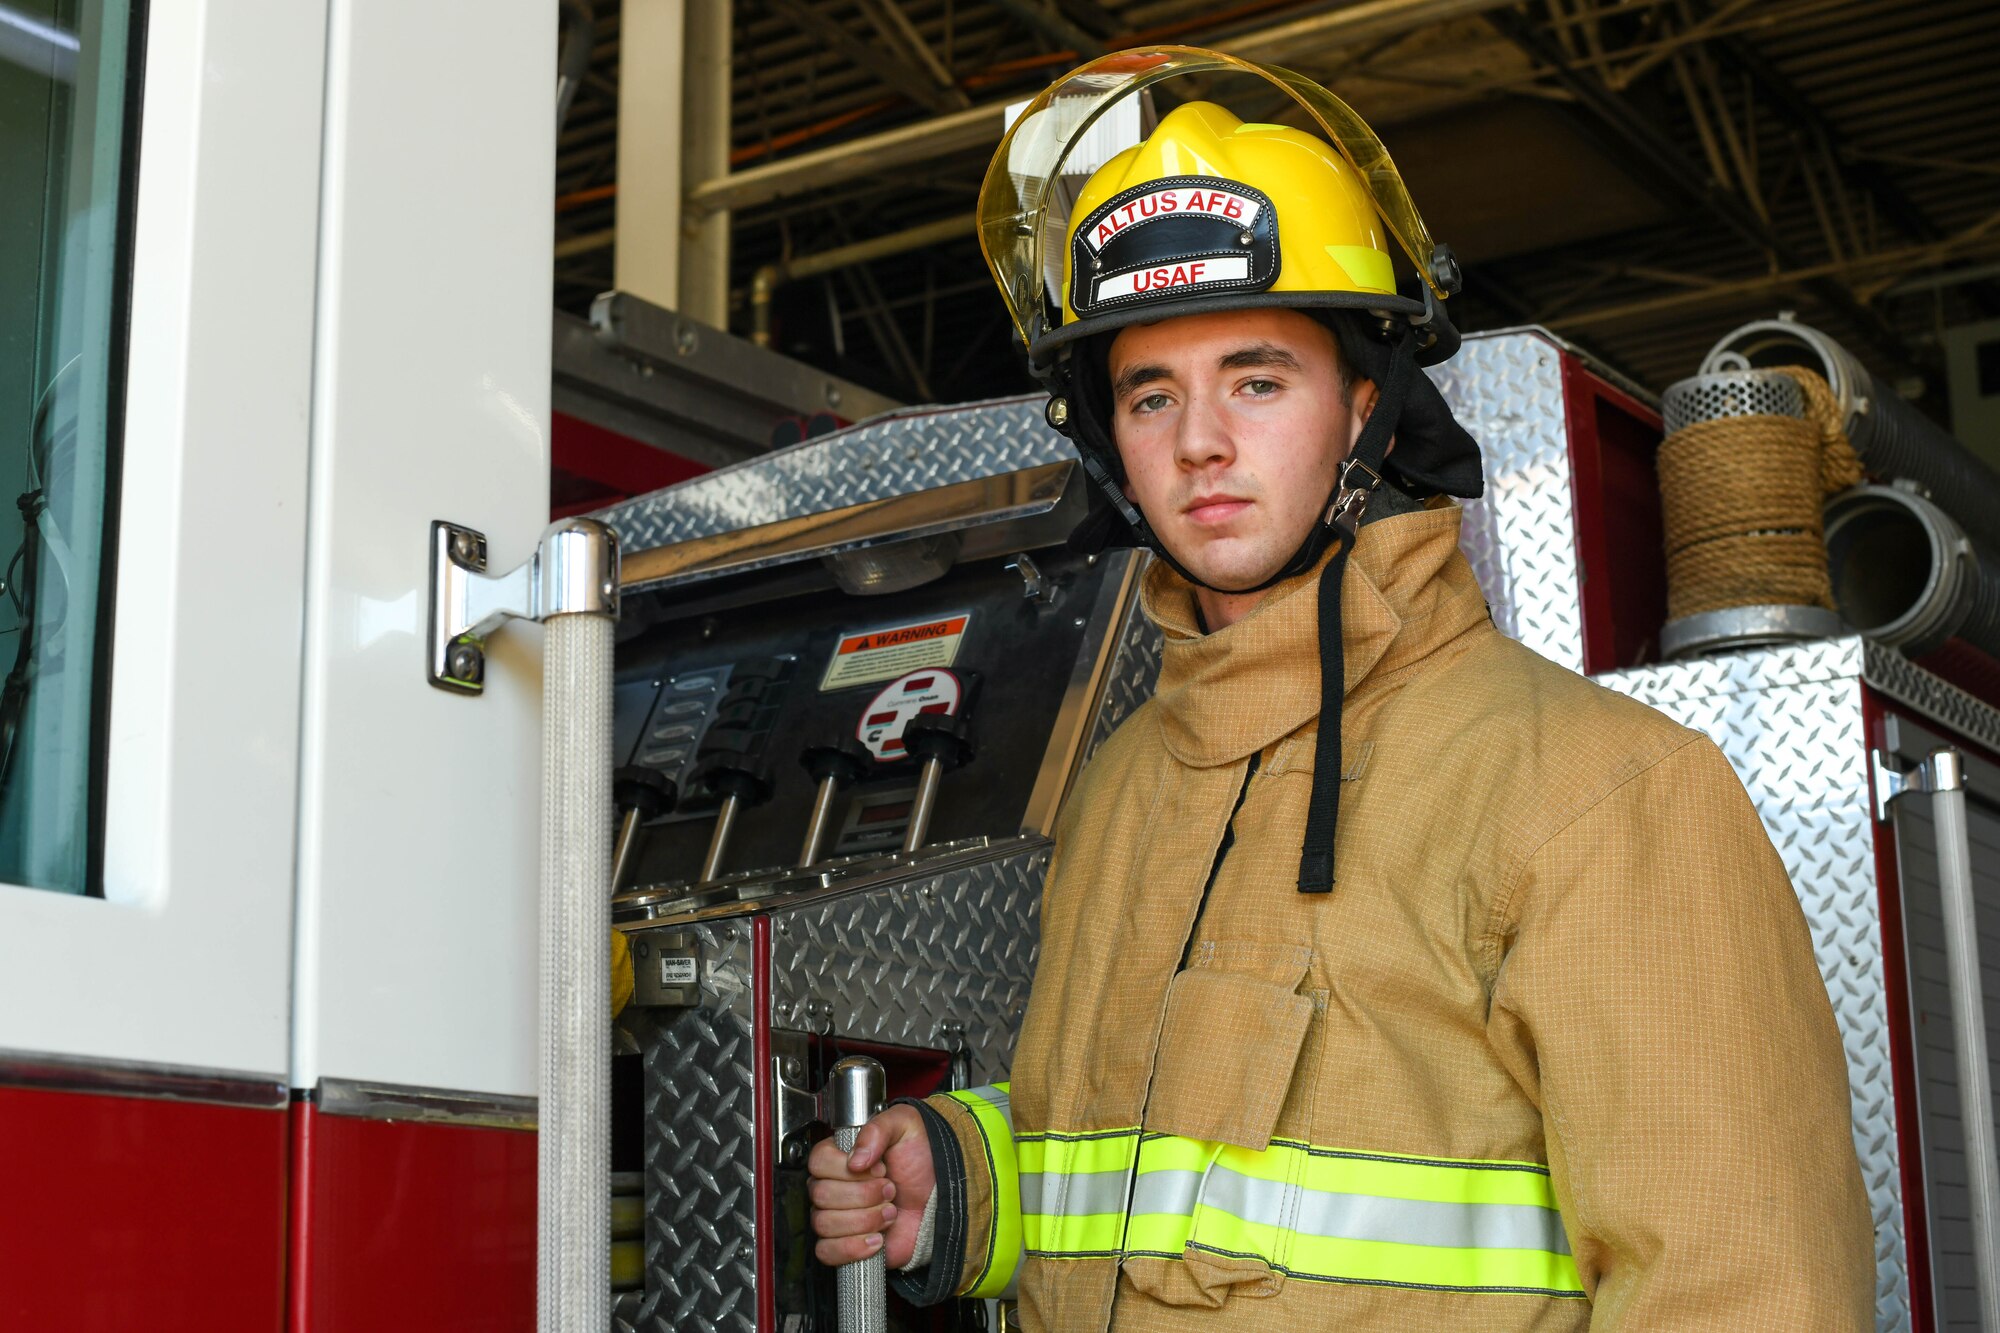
{"x":1226,"y":695}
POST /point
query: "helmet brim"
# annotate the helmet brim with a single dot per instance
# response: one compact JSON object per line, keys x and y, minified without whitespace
{"x":1042,"y":355}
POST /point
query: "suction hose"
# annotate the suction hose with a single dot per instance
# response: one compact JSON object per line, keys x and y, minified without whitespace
{"x":1905,"y":574}
{"x":1892,"y":438}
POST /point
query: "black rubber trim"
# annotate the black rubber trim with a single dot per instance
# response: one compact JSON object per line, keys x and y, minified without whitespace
{"x":938,"y":1281}
{"x":1046,"y":345}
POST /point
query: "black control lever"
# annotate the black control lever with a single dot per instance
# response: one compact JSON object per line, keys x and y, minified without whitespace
{"x":839,"y":763}
{"x":942,"y":742}
{"x":739,"y":782}
{"x":640,"y":794}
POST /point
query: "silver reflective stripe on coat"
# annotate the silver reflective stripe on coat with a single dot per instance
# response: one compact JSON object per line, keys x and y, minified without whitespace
{"x":1274,"y":1203}
{"x":1079,"y":1194}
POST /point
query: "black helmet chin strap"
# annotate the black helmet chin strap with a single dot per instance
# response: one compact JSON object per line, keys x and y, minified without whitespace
{"x":1359,"y":476}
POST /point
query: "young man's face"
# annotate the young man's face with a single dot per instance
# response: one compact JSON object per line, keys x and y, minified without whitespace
{"x":1231,"y":427}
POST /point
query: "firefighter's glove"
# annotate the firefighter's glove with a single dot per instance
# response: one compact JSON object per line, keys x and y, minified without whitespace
{"x":621,"y":973}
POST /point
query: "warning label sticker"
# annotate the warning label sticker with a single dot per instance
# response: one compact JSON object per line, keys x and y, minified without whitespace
{"x":884,"y":654}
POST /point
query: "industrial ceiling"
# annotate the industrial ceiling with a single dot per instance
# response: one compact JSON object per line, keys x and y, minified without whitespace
{"x":1639,"y":176}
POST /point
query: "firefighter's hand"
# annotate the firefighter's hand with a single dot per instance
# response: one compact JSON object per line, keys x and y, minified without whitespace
{"x":878,"y":1192}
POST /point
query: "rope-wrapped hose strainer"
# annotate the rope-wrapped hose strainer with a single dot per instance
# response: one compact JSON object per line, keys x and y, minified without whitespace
{"x":1747,"y":462}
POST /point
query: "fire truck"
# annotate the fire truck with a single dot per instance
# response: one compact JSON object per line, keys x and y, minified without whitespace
{"x":311,"y":712}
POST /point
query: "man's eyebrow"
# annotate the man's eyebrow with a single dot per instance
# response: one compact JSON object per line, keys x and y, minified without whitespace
{"x":1266,"y":355}
{"x":1132,"y":377}
{"x":1249,"y":357}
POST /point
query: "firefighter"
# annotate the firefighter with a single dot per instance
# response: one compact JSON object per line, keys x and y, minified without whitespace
{"x":1537,"y":1041}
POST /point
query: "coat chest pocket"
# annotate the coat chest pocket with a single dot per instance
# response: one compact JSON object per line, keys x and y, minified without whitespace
{"x":1234,"y":1027}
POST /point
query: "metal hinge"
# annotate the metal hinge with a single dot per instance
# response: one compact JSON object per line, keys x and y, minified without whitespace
{"x":1943,"y":770}
{"x":797,"y":1108}
{"x":574,"y":570}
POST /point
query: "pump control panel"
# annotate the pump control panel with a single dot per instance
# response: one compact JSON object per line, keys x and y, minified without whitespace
{"x":741,"y":696}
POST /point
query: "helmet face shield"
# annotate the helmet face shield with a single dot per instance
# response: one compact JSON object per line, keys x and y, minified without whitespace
{"x":1040,"y":170}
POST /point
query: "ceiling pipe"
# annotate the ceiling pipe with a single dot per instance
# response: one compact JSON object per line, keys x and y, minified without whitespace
{"x":765,"y":282}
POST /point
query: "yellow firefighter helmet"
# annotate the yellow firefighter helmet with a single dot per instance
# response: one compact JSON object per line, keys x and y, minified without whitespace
{"x":1206,"y":213}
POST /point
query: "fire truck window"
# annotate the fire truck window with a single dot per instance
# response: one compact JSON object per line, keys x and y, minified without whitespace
{"x":68,"y":85}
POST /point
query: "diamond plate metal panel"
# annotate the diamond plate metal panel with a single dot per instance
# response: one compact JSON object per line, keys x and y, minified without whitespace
{"x":1671,"y":685}
{"x":1506,"y":388}
{"x":625,"y":1311}
{"x":1943,"y":703}
{"x":896,"y":454}
{"x":1790,"y":721}
{"x":919,"y":962}
{"x":1135,"y":669}
{"x":701,"y":1256}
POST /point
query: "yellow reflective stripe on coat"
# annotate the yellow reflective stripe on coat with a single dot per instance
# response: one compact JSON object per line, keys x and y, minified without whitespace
{"x":1314,"y":1213}
{"x":1073,"y":1191}
{"x":993,"y":1112}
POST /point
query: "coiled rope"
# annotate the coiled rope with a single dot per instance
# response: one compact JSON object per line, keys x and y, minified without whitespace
{"x":1741,"y":498}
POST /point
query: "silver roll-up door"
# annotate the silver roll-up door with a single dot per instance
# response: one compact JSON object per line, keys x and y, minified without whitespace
{"x":1948,"y":1205}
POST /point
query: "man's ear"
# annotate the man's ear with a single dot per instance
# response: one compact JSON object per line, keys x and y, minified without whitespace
{"x":1366,"y":395}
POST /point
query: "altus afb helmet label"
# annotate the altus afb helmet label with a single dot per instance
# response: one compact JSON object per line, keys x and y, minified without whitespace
{"x":1171,"y":239}
{"x":1233,"y":205}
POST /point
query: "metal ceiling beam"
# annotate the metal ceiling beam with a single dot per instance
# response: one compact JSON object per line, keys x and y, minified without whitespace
{"x":1897,"y":207}
{"x":1637,"y":135}
{"x":1352,"y":25}
{"x":891,"y":71}
{"x":1883,"y":264}
{"x":897,"y":30}
{"x":1091,"y":15}
{"x":765,"y":282}
{"x":876,"y":154}
{"x":922,"y":237}
{"x":980,"y":126}
{"x":1047,"y":20}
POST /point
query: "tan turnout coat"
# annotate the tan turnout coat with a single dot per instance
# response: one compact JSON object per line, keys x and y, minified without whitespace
{"x":1560,"y":936}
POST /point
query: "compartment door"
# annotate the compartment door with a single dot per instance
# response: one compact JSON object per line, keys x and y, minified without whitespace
{"x":1937,"y":1062}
